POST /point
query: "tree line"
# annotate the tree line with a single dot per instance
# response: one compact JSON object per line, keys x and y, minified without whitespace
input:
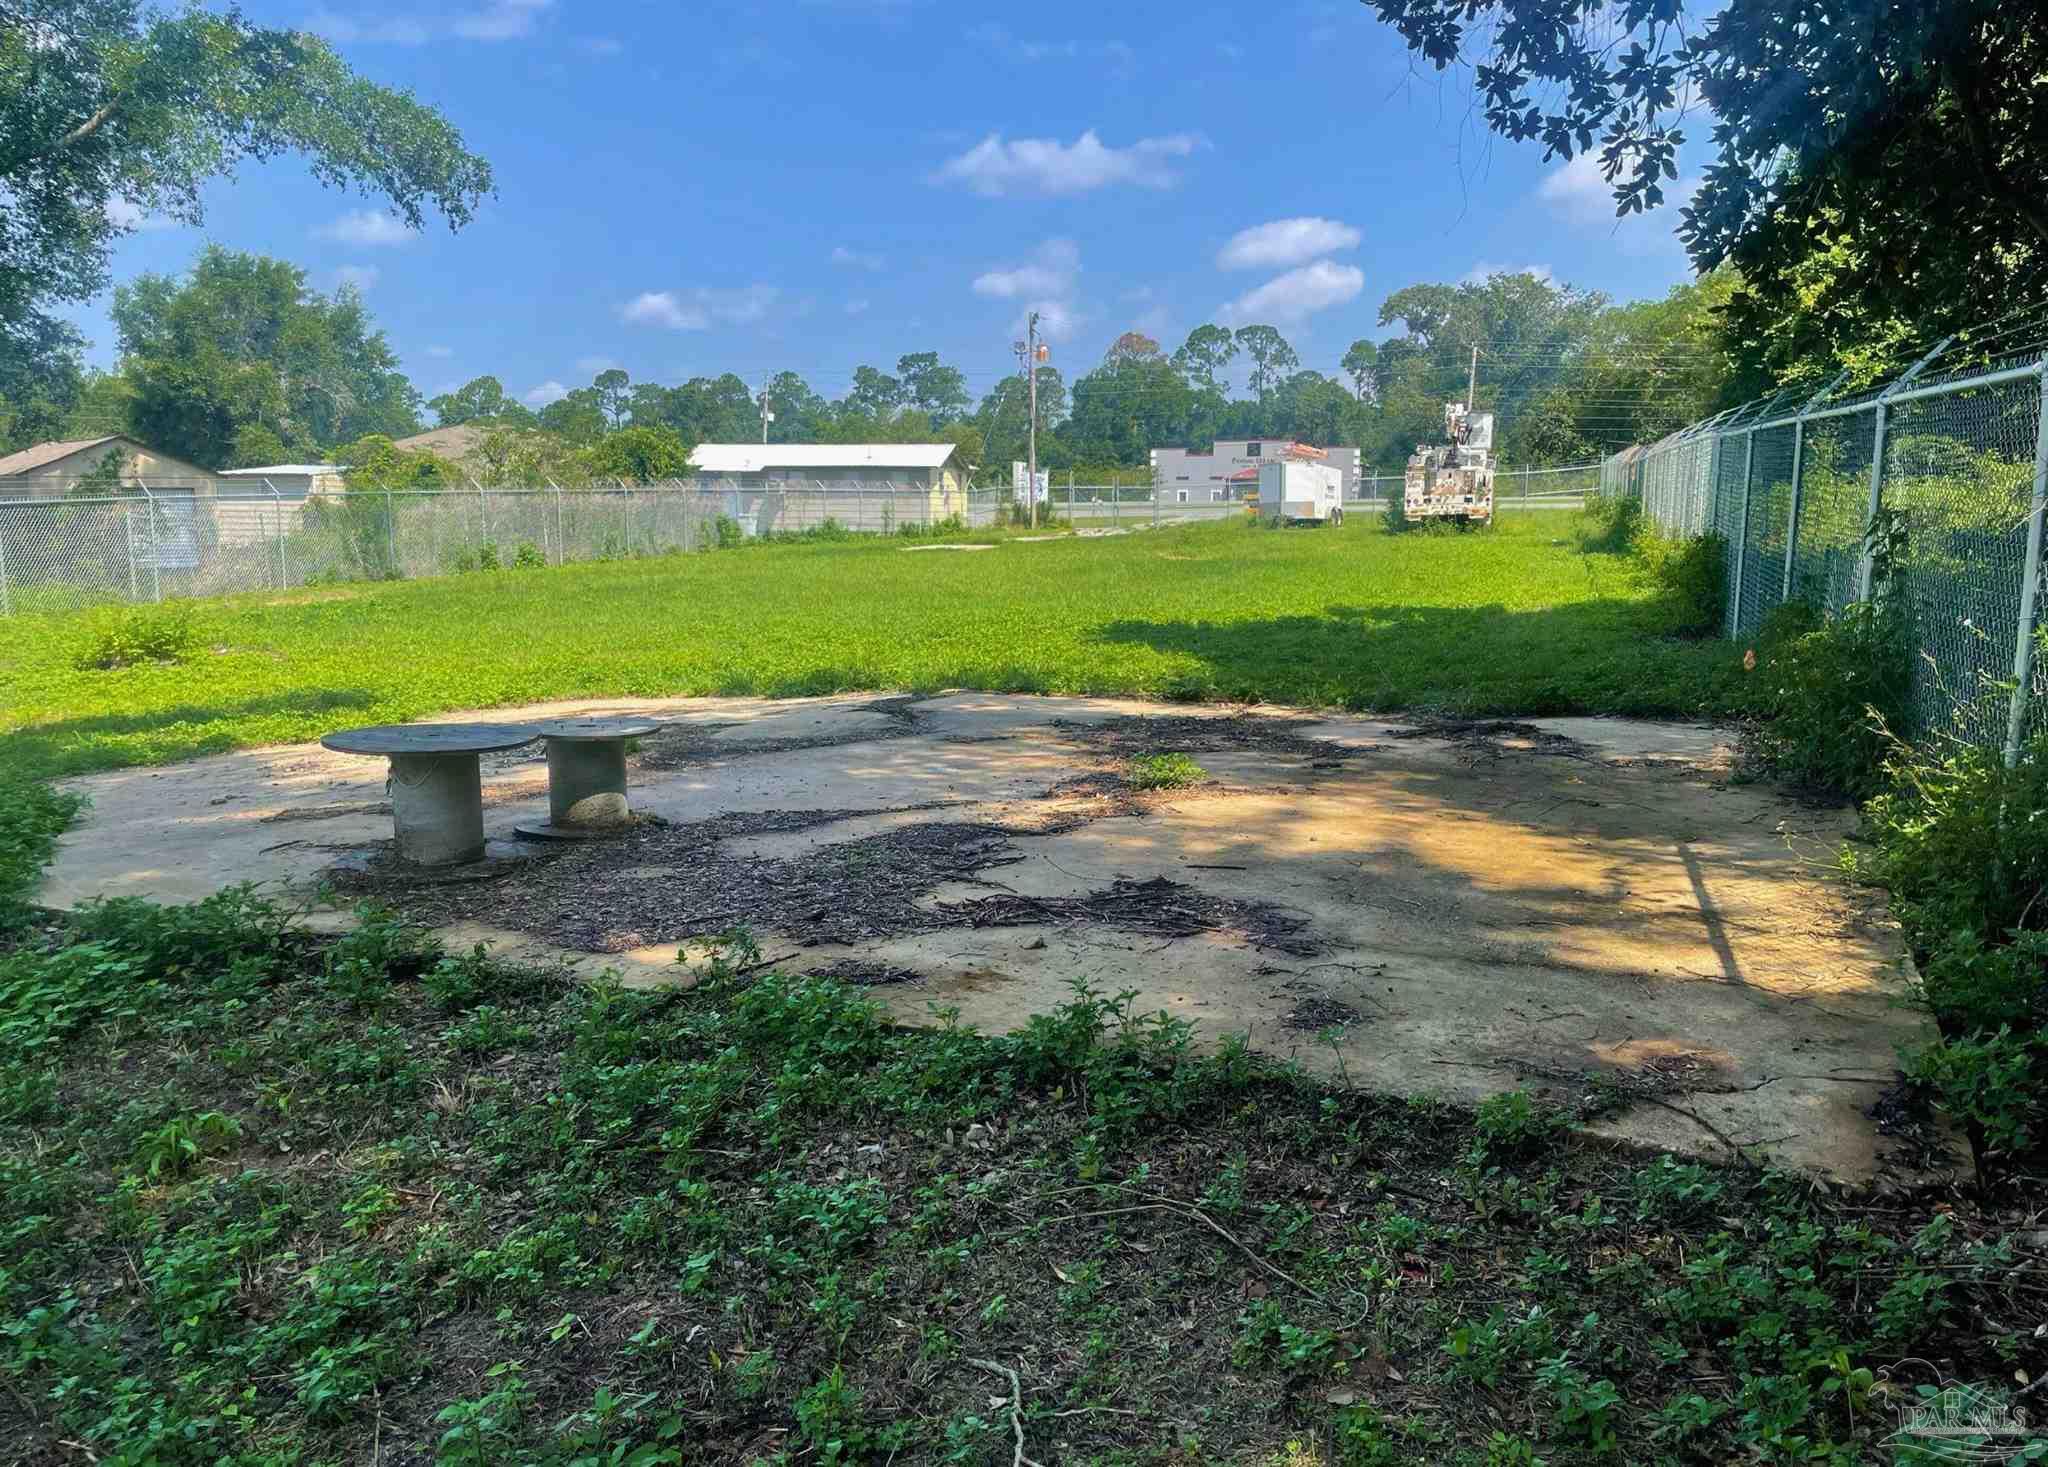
{"x":241,"y":362}
{"x":1869,"y":206}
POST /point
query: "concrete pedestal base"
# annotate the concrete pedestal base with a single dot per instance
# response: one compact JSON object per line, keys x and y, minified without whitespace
{"x":587,"y":783}
{"x":437,"y":795}
{"x":437,"y":805}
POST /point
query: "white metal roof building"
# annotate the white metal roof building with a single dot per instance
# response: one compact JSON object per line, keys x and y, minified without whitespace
{"x":292,"y":481}
{"x":928,"y":466}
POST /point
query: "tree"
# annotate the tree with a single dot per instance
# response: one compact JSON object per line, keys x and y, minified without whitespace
{"x":110,"y":112}
{"x":1132,"y":346}
{"x":41,"y":379}
{"x":1877,"y":178}
{"x":875,"y":395}
{"x":243,"y":340}
{"x":612,"y":387}
{"x":1271,"y":357}
{"x":257,"y":444}
{"x":479,"y":398}
{"x":800,"y":414}
{"x":375,"y":462}
{"x":641,"y":455}
{"x":576,"y":417}
{"x":936,"y":390}
{"x":1204,"y":355}
{"x":1358,"y":365}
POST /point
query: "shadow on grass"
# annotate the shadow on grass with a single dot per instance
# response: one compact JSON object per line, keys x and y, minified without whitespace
{"x":1600,"y":656}
{"x":66,"y":746}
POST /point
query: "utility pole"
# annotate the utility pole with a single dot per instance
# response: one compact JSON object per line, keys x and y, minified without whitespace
{"x":1029,"y":355}
{"x":1472,"y":384}
{"x":766,"y":416}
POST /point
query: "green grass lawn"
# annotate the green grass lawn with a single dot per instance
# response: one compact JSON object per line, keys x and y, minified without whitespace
{"x":1518,"y":620}
{"x":271,"y":1200}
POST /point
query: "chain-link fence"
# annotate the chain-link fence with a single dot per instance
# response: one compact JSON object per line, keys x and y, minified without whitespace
{"x":1956,"y":448}
{"x":148,"y":544}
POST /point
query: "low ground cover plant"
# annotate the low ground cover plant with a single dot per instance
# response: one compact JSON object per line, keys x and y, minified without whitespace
{"x":1516,"y":621}
{"x":270,"y":1197}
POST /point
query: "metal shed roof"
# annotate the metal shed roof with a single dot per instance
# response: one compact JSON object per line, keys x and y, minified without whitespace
{"x":754,"y":458}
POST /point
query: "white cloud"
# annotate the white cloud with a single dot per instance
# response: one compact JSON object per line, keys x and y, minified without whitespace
{"x":440,"y":351}
{"x":500,"y":20}
{"x":1057,"y":320}
{"x":696,"y":310}
{"x":363,"y":277}
{"x":367,"y":227}
{"x":1484,"y":271}
{"x":496,"y":20}
{"x":1298,"y":294}
{"x":1119,"y":56}
{"x":126,"y":214}
{"x":392,"y":30}
{"x":1049,"y":272}
{"x":1048,"y":166}
{"x":1286,"y":242}
{"x":858,"y":259}
{"x":858,"y":307}
{"x":548,"y":391}
{"x":1577,"y":190}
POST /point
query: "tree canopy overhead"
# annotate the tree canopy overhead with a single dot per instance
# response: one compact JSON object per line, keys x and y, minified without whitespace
{"x":1877,"y":163}
{"x":110,"y":111}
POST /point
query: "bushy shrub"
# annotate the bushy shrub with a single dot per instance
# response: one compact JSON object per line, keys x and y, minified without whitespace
{"x":1690,"y":573}
{"x":1609,"y":522}
{"x":122,"y":636}
{"x":1961,"y":839}
{"x":726,"y":533}
{"x":1834,"y":693}
{"x":528,"y":556}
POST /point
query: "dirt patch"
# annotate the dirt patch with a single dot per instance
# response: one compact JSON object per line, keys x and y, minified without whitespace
{"x":326,"y":812}
{"x":681,"y":745}
{"x":669,"y":883}
{"x":1155,"y":908}
{"x":1318,"y":1011}
{"x":867,"y":975}
{"x":1494,"y":737}
{"x":1127,"y":736}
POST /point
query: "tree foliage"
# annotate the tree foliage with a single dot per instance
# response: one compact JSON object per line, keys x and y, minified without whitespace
{"x":243,"y":342}
{"x":1877,"y":163}
{"x":110,"y":111}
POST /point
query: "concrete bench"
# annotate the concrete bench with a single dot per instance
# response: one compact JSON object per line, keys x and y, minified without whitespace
{"x":437,"y":800}
{"x":587,"y":776}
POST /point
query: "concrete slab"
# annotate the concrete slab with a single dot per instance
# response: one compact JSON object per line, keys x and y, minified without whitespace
{"x":1458,"y":911}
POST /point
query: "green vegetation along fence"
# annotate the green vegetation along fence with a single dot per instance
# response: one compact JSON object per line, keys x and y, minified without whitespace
{"x":1956,"y":447}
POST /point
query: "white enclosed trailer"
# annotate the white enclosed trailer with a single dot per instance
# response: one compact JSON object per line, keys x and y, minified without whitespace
{"x":1297,"y":492}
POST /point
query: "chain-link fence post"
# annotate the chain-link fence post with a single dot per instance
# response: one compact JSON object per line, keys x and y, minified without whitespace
{"x":561,"y":533}
{"x":2030,"y":588}
{"x":391,"y":535}
{"x":1792,"y":519}
{"x":156,"y":573}
{"x":277,"y":522}
{"x":1867,"y":567}
{"x":1742,"y":535}
{"x":6,"y":601}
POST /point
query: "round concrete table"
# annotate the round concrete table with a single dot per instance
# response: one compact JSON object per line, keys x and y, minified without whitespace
{"x":437,"y":797}
{"x":587,"y":776}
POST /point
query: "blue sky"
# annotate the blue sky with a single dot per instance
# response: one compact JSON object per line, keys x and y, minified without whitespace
{"x":814,"y":184}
